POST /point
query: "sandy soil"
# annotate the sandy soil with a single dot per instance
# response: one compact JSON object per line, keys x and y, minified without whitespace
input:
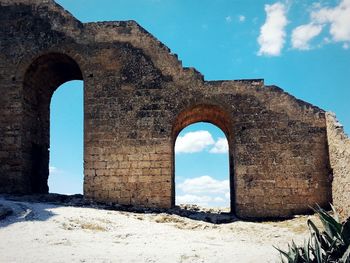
{"x":43,"y":232}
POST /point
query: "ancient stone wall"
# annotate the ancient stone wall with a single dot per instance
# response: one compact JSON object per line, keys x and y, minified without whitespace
{"x":339,"y":155}
{"x":137,"y":98}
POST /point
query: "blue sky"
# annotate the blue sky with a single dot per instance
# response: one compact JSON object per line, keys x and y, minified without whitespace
{"x":66,"y":139}
{"x":300,"y":46}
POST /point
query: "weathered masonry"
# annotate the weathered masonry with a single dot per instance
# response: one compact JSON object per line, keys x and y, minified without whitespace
{"x":137,"y":98}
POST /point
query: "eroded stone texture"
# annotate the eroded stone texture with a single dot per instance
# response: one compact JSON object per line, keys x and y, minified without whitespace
{"x":137,"y":98}
{"x":339,"y":155}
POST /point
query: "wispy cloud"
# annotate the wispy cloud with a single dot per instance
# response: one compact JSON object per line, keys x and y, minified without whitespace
{"x":203,"y":191}
{"x":241,"y":18}
{"x":302,"y":35}
{"x":204,"y":184}
{"x":228,"y":19}
{"x":272,"y":32}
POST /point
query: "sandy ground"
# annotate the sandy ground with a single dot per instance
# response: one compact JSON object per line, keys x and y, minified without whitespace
{"x":42,"y":232}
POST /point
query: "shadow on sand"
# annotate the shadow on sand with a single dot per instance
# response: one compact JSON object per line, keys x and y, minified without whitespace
{"x":12,"y":212}
{"x":19,"y":209}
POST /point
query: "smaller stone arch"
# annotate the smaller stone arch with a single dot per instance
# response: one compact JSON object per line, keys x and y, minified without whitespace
{"x":212,"y":114}
{"x":41,"y":78}
{"x":206,"y":113}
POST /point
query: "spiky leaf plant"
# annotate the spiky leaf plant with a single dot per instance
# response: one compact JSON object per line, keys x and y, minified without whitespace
{"x":331,"y":245}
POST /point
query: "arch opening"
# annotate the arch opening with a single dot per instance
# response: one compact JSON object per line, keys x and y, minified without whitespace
{"x":202,"y":167}
{"x":203,"y":171}
{"x":66,"y":139}
{"x":45,"y":74}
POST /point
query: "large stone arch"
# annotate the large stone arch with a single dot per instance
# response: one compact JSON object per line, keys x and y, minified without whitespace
{"x":213,"y":114}
{"x":42,"y":77}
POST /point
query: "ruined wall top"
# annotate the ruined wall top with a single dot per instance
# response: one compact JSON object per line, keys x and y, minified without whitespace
{"x":131,"y":32}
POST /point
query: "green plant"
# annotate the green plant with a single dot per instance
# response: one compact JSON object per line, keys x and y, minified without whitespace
{"x":332,"y":245}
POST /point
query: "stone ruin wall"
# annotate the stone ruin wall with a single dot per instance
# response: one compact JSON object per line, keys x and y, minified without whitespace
{"x":137,"y":98}
{"x":339,"y":155}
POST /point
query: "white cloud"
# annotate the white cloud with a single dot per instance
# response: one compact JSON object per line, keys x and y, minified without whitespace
{"x":241,"y":18}
{"x":204,"y":191}
{"x":198,"y":141}
{"x":202,"y":200}
{"x":204,"y":184}
{"x":338,"y":17}
{"x":272,"y":33}
{"x":193,"y":142}
{"x":228,"y":19}
{"x":302,"y":35}
{"x":220,"y":146}
{"x":218,"y":199}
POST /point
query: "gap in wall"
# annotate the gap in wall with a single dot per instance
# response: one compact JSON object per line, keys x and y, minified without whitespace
{"x":66,"y":139}
{"x":202,"y":167}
